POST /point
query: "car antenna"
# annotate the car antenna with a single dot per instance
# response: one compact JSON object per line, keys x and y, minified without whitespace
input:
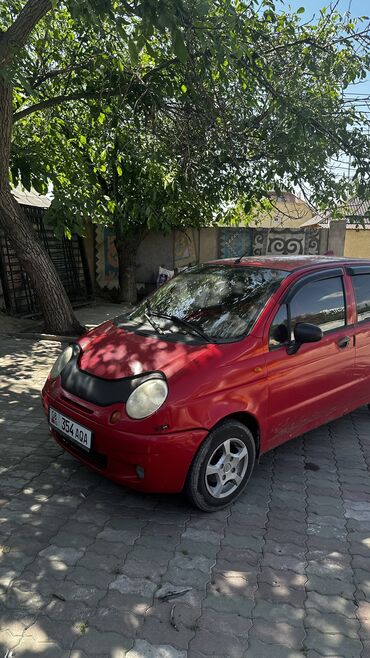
{"x":237,"y":260}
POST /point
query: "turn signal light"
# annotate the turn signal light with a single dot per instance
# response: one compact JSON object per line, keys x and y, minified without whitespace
{"x":140,"y":472}
{"x":116,"y":415}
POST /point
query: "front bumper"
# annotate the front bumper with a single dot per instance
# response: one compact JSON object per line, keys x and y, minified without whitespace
{"x":164,"y":457}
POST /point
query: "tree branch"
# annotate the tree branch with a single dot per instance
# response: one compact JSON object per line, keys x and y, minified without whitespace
{"x":315,"y":44}
{"x":57,"y":100}
{"x":164,"y":65}
{"x":258,"y":75}
{"x":84,"y":95}
{"x":298,"y":42}
{"x":54,"y":73}
{"x":17,"y":34}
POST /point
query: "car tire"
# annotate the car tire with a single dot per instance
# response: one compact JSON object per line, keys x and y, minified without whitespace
{"x":222,"y":466}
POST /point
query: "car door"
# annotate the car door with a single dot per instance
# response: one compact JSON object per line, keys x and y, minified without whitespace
{"x":310,"y":387}
{"x":360,"y":278}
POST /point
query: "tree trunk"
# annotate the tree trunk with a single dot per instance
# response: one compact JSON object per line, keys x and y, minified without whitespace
{"x":127,"y":244}
{"x":18,"y":32}
{"x":52,"y":297}
{"x":126,"y":253}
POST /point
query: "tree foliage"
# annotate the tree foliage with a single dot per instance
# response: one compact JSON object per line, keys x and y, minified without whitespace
{"x":254,"y":96}
{"x":151,"y":114}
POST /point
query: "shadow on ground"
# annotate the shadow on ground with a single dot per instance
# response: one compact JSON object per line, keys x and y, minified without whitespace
{"x":83,"y":562}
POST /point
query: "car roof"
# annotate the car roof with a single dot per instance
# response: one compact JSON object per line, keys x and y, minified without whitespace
{"x":290,"y":263}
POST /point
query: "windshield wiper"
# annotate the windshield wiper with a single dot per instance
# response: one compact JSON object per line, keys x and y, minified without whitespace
{"x":148,"y":316}
{"x":155,"y":326}
{"x":183,"y":323}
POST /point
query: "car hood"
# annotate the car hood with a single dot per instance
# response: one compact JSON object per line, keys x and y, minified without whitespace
{"x":110,"y":352}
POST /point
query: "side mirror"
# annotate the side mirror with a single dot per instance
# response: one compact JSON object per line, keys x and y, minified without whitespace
{"x":280,"y":334}
{"x":304,"y":332}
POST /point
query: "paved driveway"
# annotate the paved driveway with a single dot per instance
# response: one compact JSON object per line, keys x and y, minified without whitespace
{"x":283,"y":573}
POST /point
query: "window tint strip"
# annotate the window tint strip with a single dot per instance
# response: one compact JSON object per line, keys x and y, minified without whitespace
{"x":316,"y":276}
{"x":361,"y":286}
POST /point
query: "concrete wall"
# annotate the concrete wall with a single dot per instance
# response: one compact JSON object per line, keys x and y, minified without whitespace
{"x":177,"y":249}
{"x":186,"y":247}
{"x":209,"y":245}
{"x":357,"y":243}
{"x":156,"y":250}
{"x":181,"y":248}
{"x":195,"y":246}
{"x":336,"y":239}
{"x":324,"y":241}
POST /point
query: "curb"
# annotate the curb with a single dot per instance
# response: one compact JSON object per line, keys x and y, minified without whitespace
{"x":39,"y":336}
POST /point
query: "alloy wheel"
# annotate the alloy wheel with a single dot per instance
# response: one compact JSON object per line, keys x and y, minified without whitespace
{"x":226,"y":468}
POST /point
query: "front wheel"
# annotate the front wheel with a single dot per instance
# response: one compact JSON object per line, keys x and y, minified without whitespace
{"x":222,"y":466}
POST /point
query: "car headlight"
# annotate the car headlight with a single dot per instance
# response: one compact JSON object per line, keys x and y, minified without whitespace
{"x":146,"y":398}
{"x":61,"y":362}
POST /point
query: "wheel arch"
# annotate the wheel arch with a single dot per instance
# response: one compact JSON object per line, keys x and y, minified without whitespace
{"x":250,"y":422}
{"x":195,"y":488}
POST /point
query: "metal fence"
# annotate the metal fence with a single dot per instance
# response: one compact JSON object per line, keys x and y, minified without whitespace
{"x":17,"y":296}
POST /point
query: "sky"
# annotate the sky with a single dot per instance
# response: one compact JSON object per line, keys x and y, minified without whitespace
{"x":357,"y":7}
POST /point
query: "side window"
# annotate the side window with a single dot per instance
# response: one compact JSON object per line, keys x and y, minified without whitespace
{"x":321,"y":303}
{"x":361,"y":284}
{"x":279,"y":334}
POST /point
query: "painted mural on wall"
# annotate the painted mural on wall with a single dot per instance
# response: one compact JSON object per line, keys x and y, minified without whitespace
{"x":232,"y":243}
{"x":286,"y":242}
{"x":235,"y":242}
{"x":184,"y":248}
{"x":106,"y":258}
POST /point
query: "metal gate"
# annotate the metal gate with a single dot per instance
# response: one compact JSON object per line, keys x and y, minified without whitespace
{"x":17,"y":296}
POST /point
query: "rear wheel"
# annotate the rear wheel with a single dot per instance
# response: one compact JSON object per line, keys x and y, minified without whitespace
{"x":222,"y":466}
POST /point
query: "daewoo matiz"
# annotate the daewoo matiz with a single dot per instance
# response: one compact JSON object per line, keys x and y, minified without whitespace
{"x":221,"y":364}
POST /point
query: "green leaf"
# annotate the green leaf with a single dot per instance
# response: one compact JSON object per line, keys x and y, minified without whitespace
{"x":134,"y":55}
{"x":150,"y":50}
{"x":179,"y":46}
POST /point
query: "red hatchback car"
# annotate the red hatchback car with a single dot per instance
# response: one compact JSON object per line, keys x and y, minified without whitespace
{"x":221,"y":364}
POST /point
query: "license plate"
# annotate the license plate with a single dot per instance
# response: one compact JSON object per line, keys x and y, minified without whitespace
{"x":70,"y":429}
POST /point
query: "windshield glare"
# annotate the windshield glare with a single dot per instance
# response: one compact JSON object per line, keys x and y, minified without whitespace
{"x":222,"y":300}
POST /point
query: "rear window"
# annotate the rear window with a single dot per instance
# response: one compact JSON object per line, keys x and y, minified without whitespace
{"x":361,"y":284}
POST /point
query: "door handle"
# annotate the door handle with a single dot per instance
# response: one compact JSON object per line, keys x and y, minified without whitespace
{"x":343,"y":342}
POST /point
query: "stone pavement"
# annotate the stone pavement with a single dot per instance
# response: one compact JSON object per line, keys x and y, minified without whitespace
{"x":89,"y":316}
{"x":283,"y":573}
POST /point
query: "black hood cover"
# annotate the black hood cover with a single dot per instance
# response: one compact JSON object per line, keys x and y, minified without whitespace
{"x":102,"y":392}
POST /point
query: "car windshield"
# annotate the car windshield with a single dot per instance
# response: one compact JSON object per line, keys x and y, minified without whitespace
{"x":220,"y":301}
